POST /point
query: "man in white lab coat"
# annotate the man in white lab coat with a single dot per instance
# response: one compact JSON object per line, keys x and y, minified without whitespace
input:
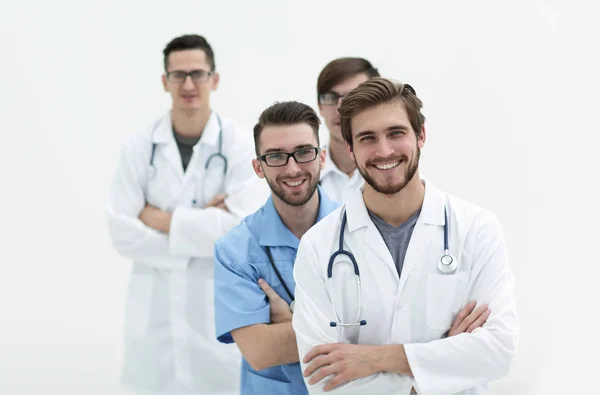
{"x":420,"y":254}
{"x":339,"y":178}
{"x":180,"y":184}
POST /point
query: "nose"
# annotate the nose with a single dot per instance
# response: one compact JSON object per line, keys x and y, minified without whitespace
{"x":188,"y":83}
{"x":292,"y":166}
{"x":339,"y":102}
{"x":384,"y":148}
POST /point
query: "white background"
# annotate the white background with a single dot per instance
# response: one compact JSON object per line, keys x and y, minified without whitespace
{"x":511,"y":97}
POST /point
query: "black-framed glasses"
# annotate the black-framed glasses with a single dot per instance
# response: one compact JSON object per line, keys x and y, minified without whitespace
{"x":278,"y":159}
{"x":196,"y":75}
{"x":329,"y":98}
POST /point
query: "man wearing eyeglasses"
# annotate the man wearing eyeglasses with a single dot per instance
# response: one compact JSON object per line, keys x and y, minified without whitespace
{"x":180,"y":184}
{"x":254,"y":286}
{"x":340,"y":178}
{"x":254,"y":282}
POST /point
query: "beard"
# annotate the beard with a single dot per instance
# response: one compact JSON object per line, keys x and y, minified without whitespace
{"x":294,"y":198}
{"x":411,"y":167}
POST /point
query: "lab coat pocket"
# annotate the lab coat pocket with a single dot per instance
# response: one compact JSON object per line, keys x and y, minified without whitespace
{"x":444,"y":295}
{"x":257,"y":384}
{"x":139,"y":298}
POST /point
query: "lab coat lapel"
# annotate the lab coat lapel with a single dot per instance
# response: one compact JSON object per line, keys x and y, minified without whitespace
{"x":195,"y":171}
{"x":376,"y":243}
{"x":358,"y":217}
{"x":165,"y":141}
{"x":428,"y":224}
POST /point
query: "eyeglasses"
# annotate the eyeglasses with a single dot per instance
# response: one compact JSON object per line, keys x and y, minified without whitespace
{"x":196,"y":75}
{"x":278,"y":159}
{"x":329,"y":98}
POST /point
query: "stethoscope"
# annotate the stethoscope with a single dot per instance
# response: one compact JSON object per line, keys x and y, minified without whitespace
{"x":218,"y":154}
{"x":446,"y":264}
{"x":287,"y":290}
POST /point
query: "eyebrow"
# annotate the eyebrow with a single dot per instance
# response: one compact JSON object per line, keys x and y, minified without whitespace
{"x":296,"y":148}
{"x":389,"y":129}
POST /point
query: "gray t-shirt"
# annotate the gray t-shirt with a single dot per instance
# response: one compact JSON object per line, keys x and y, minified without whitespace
{"x":396,"y":238}
{"x":186,"y":148}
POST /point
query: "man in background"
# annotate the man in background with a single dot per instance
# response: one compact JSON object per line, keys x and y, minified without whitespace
{"x":340,"y":177}
{"x":179,"y":185}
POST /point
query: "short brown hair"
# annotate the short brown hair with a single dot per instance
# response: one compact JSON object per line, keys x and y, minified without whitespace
{"x":186,"y":42}
{"x":340,"y":69}
{"x":286,"y":113}
{"x":378,"y":91}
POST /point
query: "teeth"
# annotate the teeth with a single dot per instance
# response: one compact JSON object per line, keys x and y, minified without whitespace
{"x":294,"y":183}
{"x":388,"y":166}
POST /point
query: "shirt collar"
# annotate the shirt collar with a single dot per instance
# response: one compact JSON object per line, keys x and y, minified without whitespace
{"x":274,"y":233}
{"x":163,"y":130}
{"x":432,"y":210}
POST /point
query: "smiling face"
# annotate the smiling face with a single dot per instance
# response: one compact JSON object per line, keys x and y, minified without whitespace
{"x":386,"y":149}
{"x":293,"y":183}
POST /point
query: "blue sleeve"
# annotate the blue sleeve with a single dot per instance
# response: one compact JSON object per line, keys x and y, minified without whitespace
{"x":239,"y":300}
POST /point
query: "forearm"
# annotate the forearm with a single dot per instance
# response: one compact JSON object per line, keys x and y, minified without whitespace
{"x":391,"y":358}
{"x":194,"y":231}
{"x":267,"y":345}
{"x":134,"y":240}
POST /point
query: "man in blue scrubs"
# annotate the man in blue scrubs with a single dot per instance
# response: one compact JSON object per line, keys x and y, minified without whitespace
{"x":262,"y":249}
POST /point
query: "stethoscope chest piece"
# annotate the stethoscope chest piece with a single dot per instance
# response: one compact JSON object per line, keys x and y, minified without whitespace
{"x":447,"y":264}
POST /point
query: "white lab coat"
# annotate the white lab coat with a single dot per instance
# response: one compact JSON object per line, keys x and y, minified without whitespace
{"x":418,"y":308}
{"x":170,"y":343}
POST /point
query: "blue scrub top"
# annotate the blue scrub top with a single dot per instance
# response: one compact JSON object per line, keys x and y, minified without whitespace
{"x":240,"y":260}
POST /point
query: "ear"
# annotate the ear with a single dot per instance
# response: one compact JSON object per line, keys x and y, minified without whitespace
{"x":256,"y":165}
{"x":164,"y":82}
{"x":322,"y":157}
{"x":215,"y":81}
{"x":422,"y":137}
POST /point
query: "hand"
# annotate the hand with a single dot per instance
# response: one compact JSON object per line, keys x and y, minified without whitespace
{"x":345,"y":361}
{"x":156,"y":218}
{"x":468,"y":320}
{"x":280,"y":310}
{"x":218,"y":201}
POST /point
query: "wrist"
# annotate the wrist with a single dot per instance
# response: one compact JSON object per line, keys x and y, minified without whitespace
{"x":166,"y":221}
{"x":392,"y":359}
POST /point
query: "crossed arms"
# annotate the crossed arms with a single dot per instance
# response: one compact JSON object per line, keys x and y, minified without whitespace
{"x":444,"y":366}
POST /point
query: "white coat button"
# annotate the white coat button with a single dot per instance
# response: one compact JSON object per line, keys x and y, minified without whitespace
{"x":398,"y":306}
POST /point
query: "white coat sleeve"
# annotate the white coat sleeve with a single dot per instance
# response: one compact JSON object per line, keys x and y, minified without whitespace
{"x":457,"y":363}
{"x":312,"y":314}
{"x":129,"y":235}
{"x":193,"y":231}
